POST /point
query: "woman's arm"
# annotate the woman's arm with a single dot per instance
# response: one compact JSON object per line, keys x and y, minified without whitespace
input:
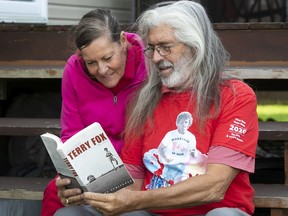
{"x":71,"y":121}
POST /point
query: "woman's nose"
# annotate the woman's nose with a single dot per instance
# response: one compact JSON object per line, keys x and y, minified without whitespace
{"x":102,"y":69}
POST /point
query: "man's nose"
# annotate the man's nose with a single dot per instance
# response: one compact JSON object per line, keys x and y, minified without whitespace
{"x":156,"y":56}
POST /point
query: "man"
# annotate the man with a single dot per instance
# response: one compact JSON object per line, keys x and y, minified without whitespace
{"x":186,"y":61}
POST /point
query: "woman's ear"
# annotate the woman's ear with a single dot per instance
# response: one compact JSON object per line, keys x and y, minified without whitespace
{"x":79,"y":52}
{"x":123,"y":39}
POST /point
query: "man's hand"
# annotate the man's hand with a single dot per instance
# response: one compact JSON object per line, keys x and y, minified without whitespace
{"x":111,"y":204}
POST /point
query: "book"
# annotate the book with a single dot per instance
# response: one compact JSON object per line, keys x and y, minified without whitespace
{"x":89,"y":159}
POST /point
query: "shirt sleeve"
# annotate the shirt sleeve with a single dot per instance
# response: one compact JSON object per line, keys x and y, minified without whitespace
{"x":232,"y":158}
{"x":237,"y":123}
{"x":136,"y":171}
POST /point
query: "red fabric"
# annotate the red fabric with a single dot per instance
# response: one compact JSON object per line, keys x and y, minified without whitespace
{"x":50,"y":203}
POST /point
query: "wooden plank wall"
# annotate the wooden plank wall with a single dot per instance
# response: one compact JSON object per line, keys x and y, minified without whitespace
{"x":68,"y":12}
{"x":256,"y":49}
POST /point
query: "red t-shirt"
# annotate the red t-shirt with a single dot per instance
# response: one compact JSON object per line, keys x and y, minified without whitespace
{"x":171,"y":155}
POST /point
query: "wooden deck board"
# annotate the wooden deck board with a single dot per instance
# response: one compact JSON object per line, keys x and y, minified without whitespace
{"x":271,"y":195}
{"x":28,"y":126}
{"x":37,"y":126}
{"x":245,"y":70}
{"x":22,"y":188}
{"x":273,"y":130}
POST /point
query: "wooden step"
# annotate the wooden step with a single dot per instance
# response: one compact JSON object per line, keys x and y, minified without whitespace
{"x":273,"y":130}
{"x":271,"y":195}
{"x":31,"y":72}
{"x":36,"y":126}
{"x":54,"y":70}
{"x":29,"y":126}
{"x":22,"y":188}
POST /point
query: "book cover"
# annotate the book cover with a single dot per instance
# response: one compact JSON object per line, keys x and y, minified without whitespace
{"x":89,"y":159}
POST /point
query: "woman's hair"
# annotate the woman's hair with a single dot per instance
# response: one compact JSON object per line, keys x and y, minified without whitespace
{"x":93,"y":25}
{"x":193,"y":28}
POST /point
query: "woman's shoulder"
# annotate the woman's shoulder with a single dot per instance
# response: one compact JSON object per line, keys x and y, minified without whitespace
{"x":74,"y":62}
{"x":134,"y":39}
{"x":74,"y":67}
{"x":74,"y":59}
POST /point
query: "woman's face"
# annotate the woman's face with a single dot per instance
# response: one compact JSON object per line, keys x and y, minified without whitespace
{"x":105,"y":60}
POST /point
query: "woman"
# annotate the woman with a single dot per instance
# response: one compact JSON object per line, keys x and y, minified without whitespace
{"x":97,"y":84}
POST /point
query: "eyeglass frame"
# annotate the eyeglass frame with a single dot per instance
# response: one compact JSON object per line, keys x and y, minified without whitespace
{"x":158,"y":49}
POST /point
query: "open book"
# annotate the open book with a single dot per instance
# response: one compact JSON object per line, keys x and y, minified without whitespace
{"x":89,"y":159}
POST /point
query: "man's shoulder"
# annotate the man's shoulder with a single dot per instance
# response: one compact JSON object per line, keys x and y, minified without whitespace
{"x":236,"y":86}
{"x":237,"y":91}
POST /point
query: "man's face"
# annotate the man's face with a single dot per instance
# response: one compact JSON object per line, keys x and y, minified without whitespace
{"x":173,"y":68}
{"x":183,"y":125}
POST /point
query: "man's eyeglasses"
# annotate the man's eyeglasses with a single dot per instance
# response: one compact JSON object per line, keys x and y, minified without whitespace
{"x":163,"y":50}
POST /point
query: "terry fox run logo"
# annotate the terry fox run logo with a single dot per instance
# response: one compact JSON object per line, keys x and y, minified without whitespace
{"x":237,"y":130}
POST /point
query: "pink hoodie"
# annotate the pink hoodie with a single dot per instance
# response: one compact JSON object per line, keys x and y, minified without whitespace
{"x":86,"y":101}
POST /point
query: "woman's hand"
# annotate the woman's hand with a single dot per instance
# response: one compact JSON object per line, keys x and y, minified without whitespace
{"x":68,"y":197}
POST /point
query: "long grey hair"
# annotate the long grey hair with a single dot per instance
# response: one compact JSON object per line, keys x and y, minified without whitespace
{"x":194,"y":29}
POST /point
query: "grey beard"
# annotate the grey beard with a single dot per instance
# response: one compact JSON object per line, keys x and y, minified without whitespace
{"x":180,"y":73}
